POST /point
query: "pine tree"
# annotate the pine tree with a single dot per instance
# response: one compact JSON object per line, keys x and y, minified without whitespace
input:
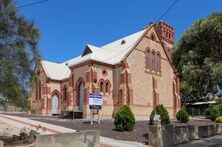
{"x":18,"y":53}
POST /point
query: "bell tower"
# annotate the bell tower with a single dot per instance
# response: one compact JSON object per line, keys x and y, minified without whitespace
{"x":166,"y":33}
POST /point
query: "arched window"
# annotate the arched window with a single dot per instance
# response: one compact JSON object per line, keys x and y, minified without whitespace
{"x":40,"y":90}
{"x":153,"y":61}
{"x":148,"y":59}
{"x":80,"y":84}
{"x":158,"y":62}
{"x":107,"y":87}
{"x":152,"y":38}
{"x":101,"y":86}
{"x":36,"y":93}
{"x":64,"y":93}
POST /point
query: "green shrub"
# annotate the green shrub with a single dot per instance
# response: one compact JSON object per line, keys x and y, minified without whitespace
{"x":124,"y":119}
{"x":164,"y":116}
{"x":219,"y":108}
{"x":28,"y":136}
{"x":212,"y":113}
{"x":182,"y":115}
{"x":219,"y":119}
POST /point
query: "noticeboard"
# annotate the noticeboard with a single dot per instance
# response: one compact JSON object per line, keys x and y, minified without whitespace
{"x":95,"y":101}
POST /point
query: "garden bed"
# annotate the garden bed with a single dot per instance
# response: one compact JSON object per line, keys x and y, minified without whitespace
{"x":107,"y":128}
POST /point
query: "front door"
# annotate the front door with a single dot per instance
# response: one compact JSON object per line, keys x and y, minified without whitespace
{"x":55,"y":104}
{"x":81,"y":95}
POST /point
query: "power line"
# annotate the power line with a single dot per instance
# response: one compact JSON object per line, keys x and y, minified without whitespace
{"x":167,"y":10}
{"x":32,"y":4}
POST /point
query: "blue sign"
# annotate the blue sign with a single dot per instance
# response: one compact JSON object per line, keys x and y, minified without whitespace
{"x":95,"y":101}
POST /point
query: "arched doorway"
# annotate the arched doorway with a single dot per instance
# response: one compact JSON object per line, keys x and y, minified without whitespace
{"x":55,"y":104}
{"x":81,"y":95}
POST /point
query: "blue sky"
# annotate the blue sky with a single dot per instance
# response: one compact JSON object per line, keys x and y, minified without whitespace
{"x":68,"y":25}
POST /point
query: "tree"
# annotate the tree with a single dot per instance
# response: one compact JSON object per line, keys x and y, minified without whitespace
{"x":18,"y":53}
{"x":3,"y":103}
{"x":198,"y":58}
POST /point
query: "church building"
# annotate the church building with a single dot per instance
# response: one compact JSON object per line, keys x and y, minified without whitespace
{"x":135,"y":70}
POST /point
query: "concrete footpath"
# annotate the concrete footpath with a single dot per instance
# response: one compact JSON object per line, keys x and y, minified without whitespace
{"x":215,"y":141}
{"x":20,"y":122}
{"x":119,"y":143}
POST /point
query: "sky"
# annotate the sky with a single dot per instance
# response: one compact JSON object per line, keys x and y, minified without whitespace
{"x":66,"y":26}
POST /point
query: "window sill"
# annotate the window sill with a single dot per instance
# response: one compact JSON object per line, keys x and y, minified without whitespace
{"x":153,"y":72}
{"x":107,"y":94}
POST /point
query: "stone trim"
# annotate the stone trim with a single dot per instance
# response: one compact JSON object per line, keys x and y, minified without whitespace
{"x":90,"y":63}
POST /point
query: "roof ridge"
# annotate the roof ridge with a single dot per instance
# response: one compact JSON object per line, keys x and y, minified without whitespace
{"x":125,"y":37}
{"x":111,"y":53}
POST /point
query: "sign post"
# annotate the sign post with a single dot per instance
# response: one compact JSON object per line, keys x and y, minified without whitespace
{"x":95,"y":105}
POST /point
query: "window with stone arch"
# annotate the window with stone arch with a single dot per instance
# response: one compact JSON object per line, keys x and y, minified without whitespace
{"x":64,"y":92}
{"x":158,"y":62}
{"x":153,"y":60}
{"x":153,"y":37}
{"x":40,"y":90}
{"x":147,"y":56}
{"x":101,"y":85}
{"x":107,"y":87}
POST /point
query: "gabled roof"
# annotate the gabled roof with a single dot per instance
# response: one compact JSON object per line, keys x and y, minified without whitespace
{"x":112,"y":53}
{"x":55,"y":71}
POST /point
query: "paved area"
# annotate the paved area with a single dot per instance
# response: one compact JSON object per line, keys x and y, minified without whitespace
{"x":215,"y":141}
{"x":109,"y":142}
{"x":20,"y":122}
{"x":8,"y":130}
{"x":106,"y":127}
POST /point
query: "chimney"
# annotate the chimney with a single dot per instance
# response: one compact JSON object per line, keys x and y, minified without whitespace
{"x":166,"y":33}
